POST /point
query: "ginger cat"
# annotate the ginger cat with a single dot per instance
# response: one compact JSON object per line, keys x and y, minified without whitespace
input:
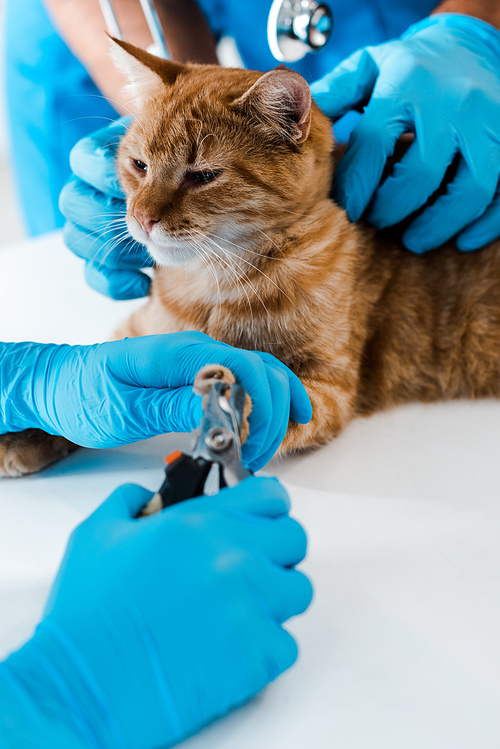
{"x":227,"y":175}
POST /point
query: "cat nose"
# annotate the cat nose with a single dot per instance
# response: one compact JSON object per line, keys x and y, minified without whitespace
{"x":146,"y":221}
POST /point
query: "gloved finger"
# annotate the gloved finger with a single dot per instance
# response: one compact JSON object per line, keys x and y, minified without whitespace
{"x":173,"y":361}
{"x":168,"y":410}
{"x":268,"y":427}
{"x":276,"y":434}
{"x":347,"y":86}
{"x":283,"y":540}
{"x":372,"y":141}
{"x":93,"y":157}
{"x":124,"y":503}
{"x":117,"y":284}
{"x":259,"y":382}
{"x":256,"y":495}
{"x":106,"y":248}
{"x":92,"y":209}
{"x":263,"y":521}
{"x":415,"y":178}
{"x":164,"y":361}
{"x":261,"y":461}
{"x":466,"y":199}
{"x":300,"y":404}
{"x":284,"y":652}
{"x":82,"y":243}
{"x":482,"y":231}
{"x":286,"y":593}
{"x":271,"y":408}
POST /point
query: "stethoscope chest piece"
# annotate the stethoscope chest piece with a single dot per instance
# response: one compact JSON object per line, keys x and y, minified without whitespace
{"x":297,"y":27}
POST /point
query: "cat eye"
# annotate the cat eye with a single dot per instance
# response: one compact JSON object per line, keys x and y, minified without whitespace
{"x":139,"y":165}
{"x":202,"y":178}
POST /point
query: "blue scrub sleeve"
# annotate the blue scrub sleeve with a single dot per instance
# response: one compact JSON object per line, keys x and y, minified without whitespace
{"x":51,"y":103}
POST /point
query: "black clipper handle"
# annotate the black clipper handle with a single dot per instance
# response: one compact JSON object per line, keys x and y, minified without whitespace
{"x":185,"y":478}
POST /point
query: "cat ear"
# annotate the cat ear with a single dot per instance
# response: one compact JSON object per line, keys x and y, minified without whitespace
{"x":281,"y":99}
{"x":147,"y":74}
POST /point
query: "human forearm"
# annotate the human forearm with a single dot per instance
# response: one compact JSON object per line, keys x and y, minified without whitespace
{"x":186,"y":30}
{"x":82,"y":26}
{"x":486,"y":10}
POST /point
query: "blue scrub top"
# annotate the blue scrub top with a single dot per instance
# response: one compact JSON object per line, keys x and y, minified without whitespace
{"x":356,"y":23}
{"x":52,"y":102}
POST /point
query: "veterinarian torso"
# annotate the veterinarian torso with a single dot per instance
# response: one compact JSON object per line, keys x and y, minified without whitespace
{"x":52,"y":102}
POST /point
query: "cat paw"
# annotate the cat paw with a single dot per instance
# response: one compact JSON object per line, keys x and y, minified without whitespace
{"x":30,"y":451}
{"x":208,"y":376}
{"x":153,"y":506}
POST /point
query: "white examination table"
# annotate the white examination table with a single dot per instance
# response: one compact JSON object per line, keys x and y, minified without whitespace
{"x":400,"y":649}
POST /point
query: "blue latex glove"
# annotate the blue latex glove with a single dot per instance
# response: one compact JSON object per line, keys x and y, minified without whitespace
{"x":94,"y":205}
{"x":441,"y":81}
{"x":156,"y":627}
{"x":120,"y":392}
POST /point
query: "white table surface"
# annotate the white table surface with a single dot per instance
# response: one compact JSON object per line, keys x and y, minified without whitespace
{"x":400,"y":649}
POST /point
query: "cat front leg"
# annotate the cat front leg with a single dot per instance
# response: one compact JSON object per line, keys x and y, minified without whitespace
{"x":150,"y":319}
{"x":30,"y":451}
{"x":333,"y":409}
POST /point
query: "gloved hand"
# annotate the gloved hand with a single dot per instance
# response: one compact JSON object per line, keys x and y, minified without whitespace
{"x":441,"y":81}
{"x":94,"y":205}
{"x":156,"y":627}
{"x":120,"y":392}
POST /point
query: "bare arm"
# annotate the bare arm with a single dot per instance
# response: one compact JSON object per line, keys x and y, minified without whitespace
{"x":82,"y":26}
{"x":486,"y":10}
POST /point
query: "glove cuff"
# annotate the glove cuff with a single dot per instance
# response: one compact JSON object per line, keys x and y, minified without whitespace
{"x":50,"y":699}
{"x":29,"y":375}
{"x":463,"y":23}
{"x":18,"y":363}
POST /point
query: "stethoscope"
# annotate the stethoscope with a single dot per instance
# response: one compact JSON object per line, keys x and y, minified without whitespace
{"x":297,"y":27}
{"x":294,"y":27}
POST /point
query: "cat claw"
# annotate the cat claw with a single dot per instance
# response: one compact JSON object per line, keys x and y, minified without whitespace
{"x":208,"y":376}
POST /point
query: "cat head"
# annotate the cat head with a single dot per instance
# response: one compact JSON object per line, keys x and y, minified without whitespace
{"x":217,"y":158}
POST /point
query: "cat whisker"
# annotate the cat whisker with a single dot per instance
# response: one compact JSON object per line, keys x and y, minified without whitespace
{"x":274,"y":243}
{"x":77,"y":119}
{"x":96,"y":238}
{"x":113,"y":243}
{"x":200,"y":123}
{"x":209,"y":135}
{"x":294,"y":213}
{"x":245,"y":249}
{"x":283,"y":333}
{"x":104,"y":226}
{"x":105,"y":215}
{"x":240,"y":271}
{"x":282,"y":291}
{"x":240,"y":281}
{"x":208,"y":261}
{"x":238,"y":277}
{"x":242,"y":259}
{"x":100,"y":96}
{"x":115,"y":232}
